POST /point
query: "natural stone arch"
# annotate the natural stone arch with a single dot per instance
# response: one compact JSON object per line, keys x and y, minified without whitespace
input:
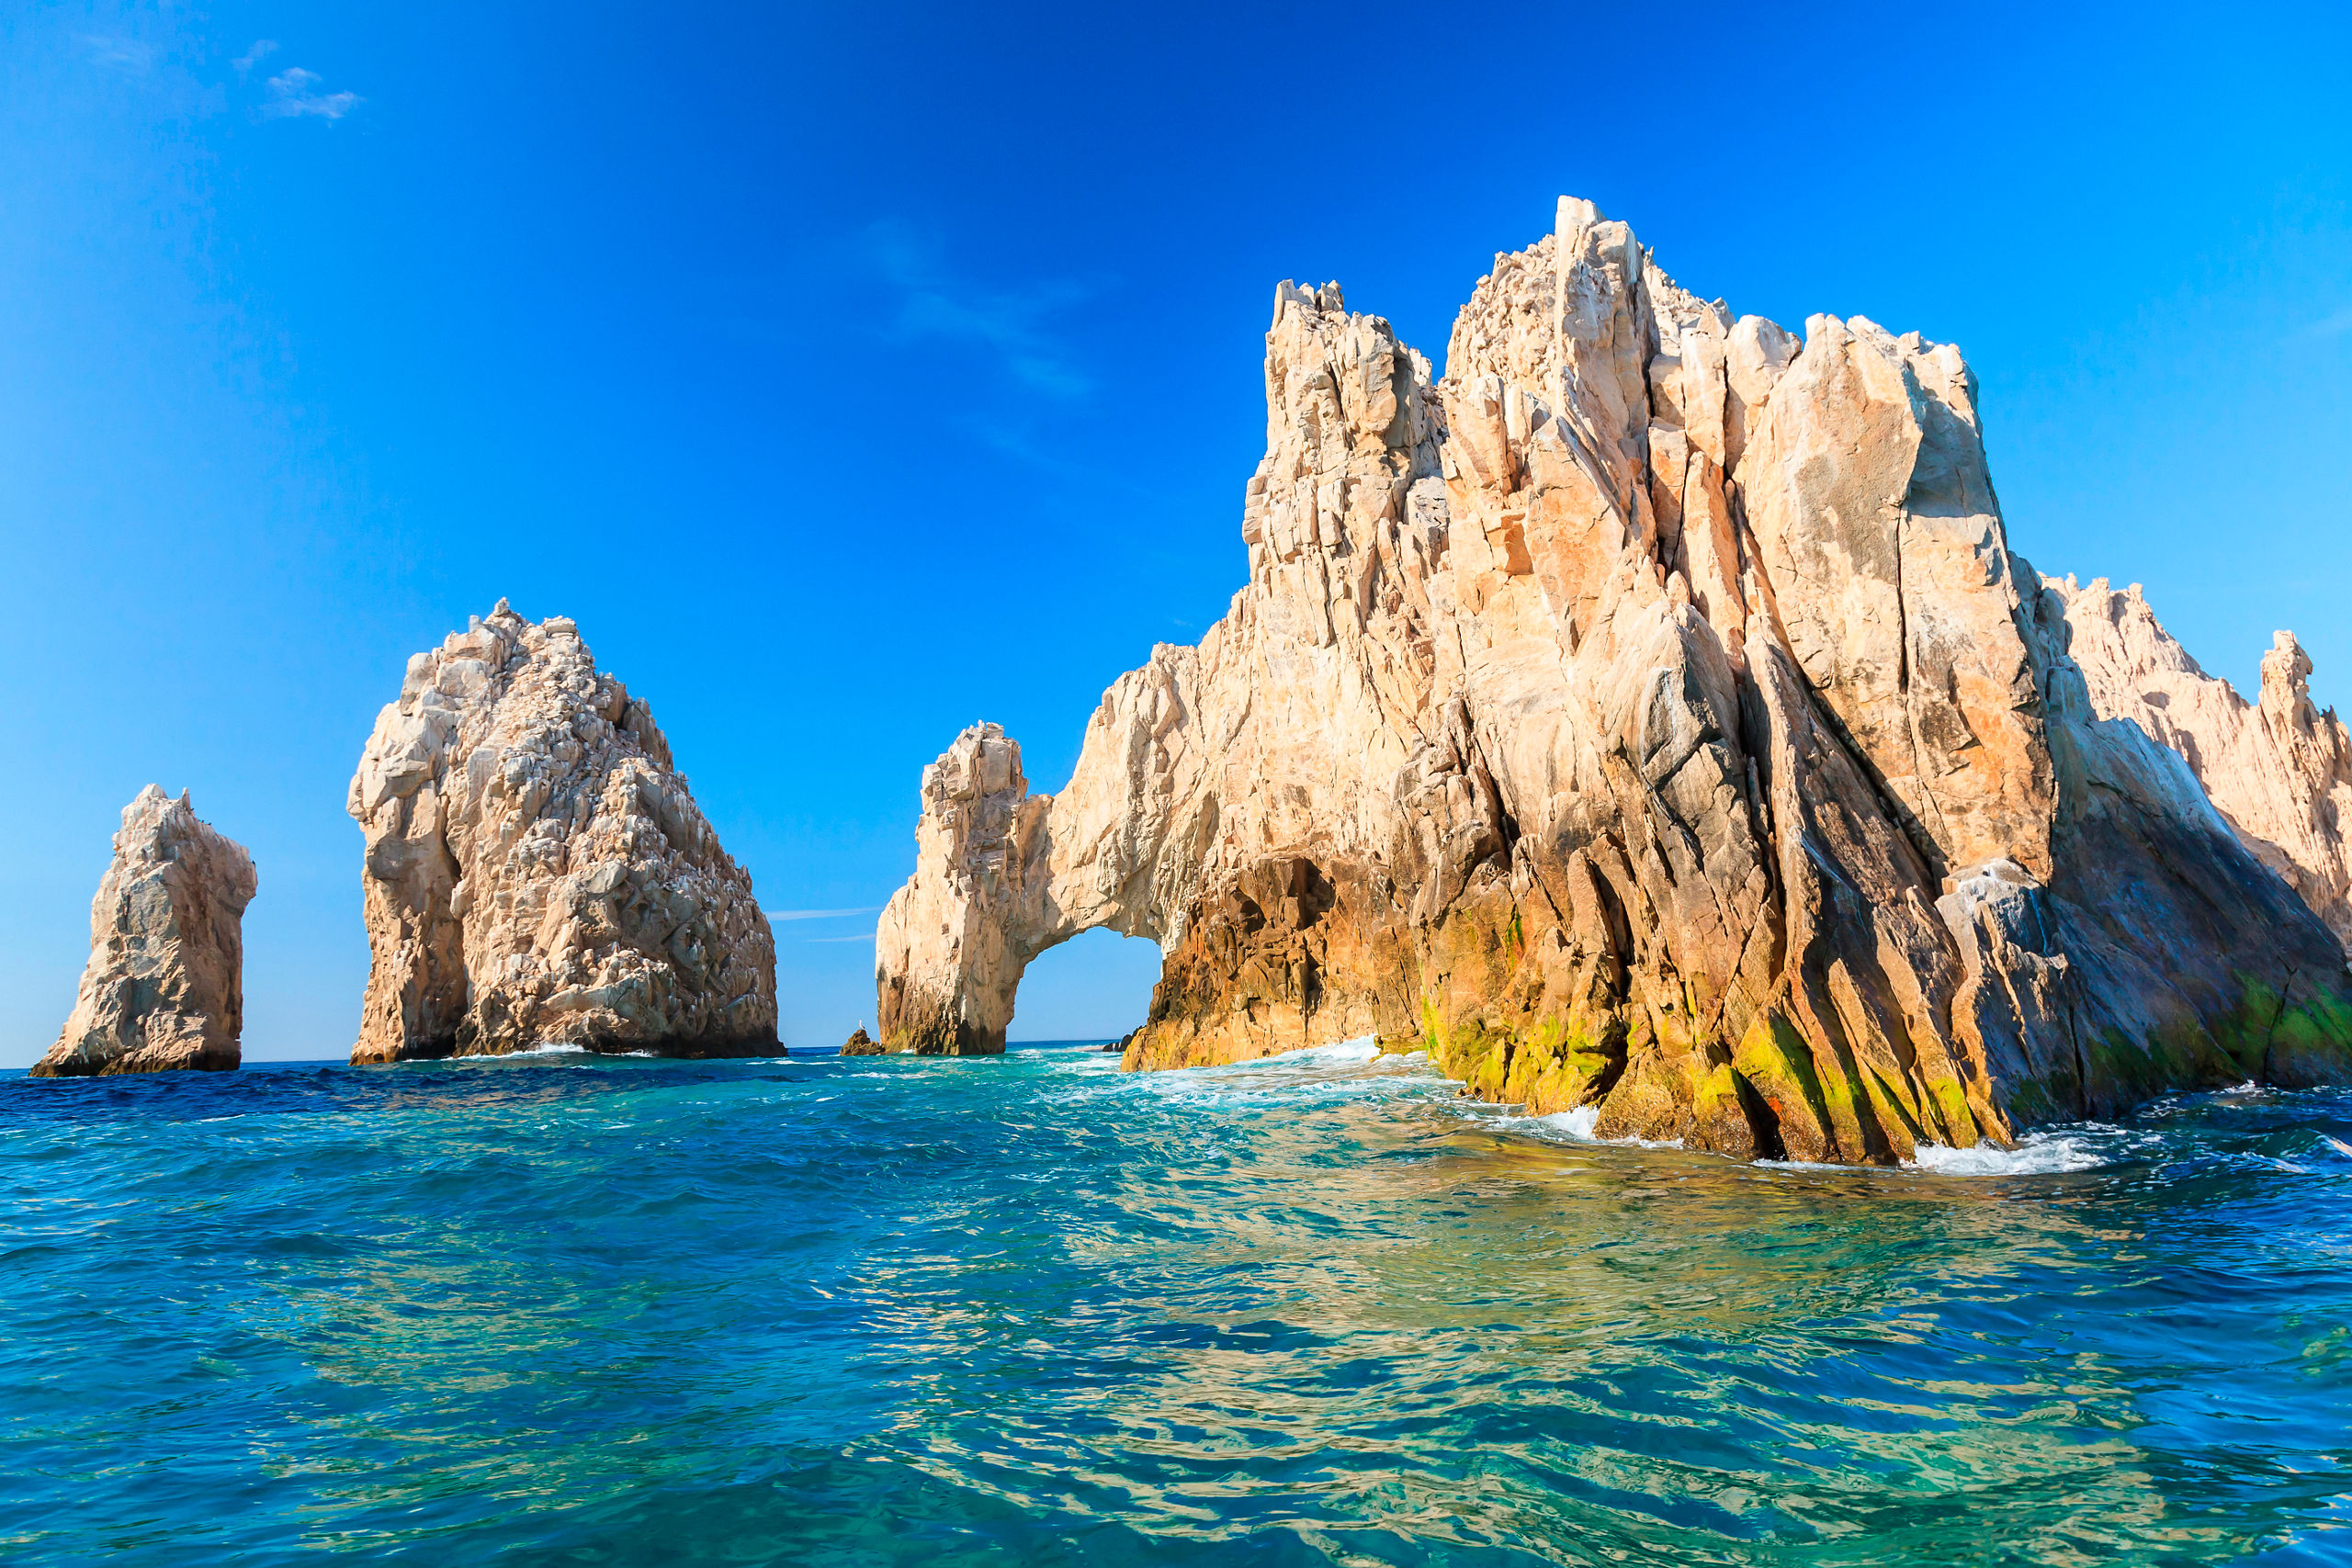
{"x":953,"y":944}
{"x":1649,"y":714}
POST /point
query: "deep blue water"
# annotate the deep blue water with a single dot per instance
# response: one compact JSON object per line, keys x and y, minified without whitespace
{"x":561,"y":1309}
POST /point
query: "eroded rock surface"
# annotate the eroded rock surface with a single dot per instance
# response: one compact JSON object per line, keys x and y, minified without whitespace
{"x":165,"y":987}
{"x":537,"y":872}
{"x":2279,"y":769}
{"x":1649,"y":712}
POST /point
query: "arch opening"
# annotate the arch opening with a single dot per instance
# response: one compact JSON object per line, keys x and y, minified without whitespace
{"x":1096,"y":986}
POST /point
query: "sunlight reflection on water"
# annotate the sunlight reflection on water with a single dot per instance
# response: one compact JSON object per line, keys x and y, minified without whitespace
{"x":1313,"y":1309}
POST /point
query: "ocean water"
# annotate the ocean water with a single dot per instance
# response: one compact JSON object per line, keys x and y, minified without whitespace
{"x":1029,"y":1310}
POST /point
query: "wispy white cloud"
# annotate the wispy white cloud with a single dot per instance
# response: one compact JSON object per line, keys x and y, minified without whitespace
{"x":126,"y":55}
{"x":934,"y":305}
{"x":2333,"y":326}
{"x":262,"y":48}
{"x":819,"y":914}
{"x":296,"y":92}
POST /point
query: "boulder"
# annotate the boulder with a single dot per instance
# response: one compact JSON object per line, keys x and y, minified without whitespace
{"x":1649,"y":714}
{"x":537,"y":872}
{"x":165,"y":987}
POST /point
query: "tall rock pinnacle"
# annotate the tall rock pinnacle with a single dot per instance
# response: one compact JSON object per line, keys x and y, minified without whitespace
{"x":164,"y":988}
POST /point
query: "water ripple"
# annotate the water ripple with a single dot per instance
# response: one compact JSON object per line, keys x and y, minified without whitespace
{"x":1313,"y":1310}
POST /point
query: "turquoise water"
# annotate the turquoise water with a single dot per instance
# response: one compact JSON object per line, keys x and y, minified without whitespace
{"x":562,"y":1310}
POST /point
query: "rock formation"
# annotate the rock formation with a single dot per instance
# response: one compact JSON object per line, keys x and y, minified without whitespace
{"x":1651,"y":713}
{"x":165,"y":987}
{"x":860,"y":1043}
{"x":537,"y":871}
{"x":2281,"y":771}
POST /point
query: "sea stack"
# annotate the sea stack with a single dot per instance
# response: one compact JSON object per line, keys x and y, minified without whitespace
{"x":165,"y":987}
{"x":537,"y":872}
{"x":1648,"y":713}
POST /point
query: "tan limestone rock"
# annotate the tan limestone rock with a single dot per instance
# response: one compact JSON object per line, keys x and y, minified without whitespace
{"x":164,"y":988}
{"x":1650,"y":714}
{"x":537,"y":871}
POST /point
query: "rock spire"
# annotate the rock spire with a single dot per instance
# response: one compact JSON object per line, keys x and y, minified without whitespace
{"x":1650,"y":714}
{"x":164,"y":988}
{"x":537,"y":871}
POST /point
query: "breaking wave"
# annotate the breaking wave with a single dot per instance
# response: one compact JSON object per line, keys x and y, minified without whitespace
{"x":2047,"y":1153}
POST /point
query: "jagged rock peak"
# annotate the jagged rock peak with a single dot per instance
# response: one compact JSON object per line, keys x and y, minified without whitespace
{"x":2280,"y":769}
{"x":537,"y":871}
{"x":1648,"y":713}
{"x":164,"y":987}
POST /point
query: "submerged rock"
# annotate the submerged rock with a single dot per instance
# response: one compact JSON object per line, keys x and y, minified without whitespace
{"x":537,"y":871}
{"x":165,"y":987}
{"x":1651,"y":715}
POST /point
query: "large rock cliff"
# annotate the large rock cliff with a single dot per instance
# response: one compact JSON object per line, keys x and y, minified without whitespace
{"x":537,"y":872}
{"x":1648,"y":713}
{"x":165,"y":987}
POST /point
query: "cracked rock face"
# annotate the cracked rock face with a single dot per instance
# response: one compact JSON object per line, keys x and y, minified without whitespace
{"x":537,"y":872}
{"x":164,"y":988}
{"x":1649,"y":713}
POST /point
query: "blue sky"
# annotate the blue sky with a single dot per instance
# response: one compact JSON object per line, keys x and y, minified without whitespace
{"x":854,"y":373}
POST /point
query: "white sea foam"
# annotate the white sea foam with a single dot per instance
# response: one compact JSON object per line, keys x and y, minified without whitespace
{"x":1355,"y":1068}
{"x":2037,"y":1153}
{"x":1580,"y":1125}
{"x":563,"y":1048}
{"x":1362,"y":1048}
{"x":2338,"y":1144}
{"x":1284,"y":1065}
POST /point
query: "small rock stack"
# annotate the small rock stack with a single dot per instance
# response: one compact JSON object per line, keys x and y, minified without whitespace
{"x":165,"y":987}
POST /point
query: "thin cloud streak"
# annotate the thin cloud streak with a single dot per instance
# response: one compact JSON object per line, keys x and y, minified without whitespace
{"x":262,"y":47}
{"x":931,"y":305}
{"x":818,"y":914}
{"x":294,"y":93}
{"x":125,"y":54}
